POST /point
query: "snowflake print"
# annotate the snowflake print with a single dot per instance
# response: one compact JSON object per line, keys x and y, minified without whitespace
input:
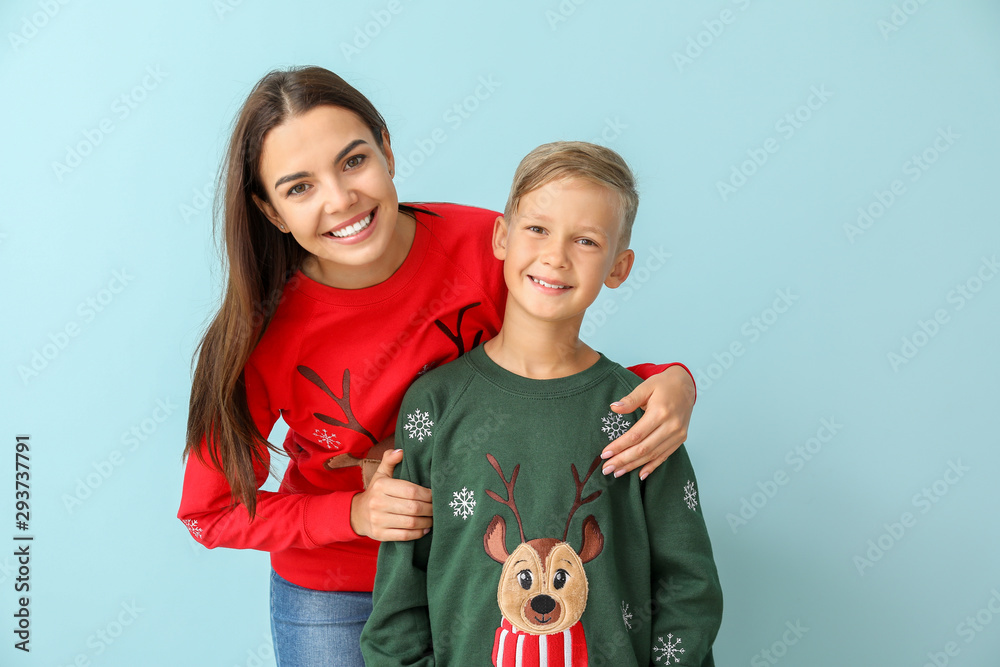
{"x":668,"y":649}
{"x":328,"y":439}
{"x":464,"y":503}
{"x":690,"y":495}
{"x":615,"y":425}
{"x":626,"y":615}
{"x":419,"y":425}
{"x":192,"y":525}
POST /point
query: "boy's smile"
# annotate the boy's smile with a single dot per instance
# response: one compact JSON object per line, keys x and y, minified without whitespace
{"x":560,"y":247}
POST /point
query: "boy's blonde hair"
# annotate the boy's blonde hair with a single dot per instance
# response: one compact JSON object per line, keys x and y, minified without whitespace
{"x":577,"y":159}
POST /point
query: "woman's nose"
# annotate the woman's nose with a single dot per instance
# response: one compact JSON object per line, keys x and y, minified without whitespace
{"x":338,"y":198}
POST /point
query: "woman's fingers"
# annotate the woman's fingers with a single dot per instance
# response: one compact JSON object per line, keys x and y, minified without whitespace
{"x":644,"y":444}
{"x":392,"y":509}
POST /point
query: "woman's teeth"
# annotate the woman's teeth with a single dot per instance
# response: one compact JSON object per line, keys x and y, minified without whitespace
{"x":545,"y":284}
{"x":353,"y":229}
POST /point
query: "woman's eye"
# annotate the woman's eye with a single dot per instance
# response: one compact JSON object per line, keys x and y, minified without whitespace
{"x":298,"y":189}
{"x":354,"y":161}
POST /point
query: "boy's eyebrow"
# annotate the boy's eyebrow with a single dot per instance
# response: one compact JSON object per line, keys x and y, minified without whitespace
{"x":545,"y":218}
{"x":301,"y":174}
{"x":596,"y":230}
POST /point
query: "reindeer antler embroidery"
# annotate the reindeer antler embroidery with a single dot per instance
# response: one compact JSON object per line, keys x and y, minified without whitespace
{"x":456,"y":337}
{"x":577,"y":503}
{"x":510,"y":491}
{"x":344,"y":401}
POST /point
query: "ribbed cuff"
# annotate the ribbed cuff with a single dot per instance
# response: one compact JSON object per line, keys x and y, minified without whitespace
{"x":327,"y":518}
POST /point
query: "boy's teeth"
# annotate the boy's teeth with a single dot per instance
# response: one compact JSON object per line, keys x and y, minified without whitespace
{"x":353,"y":229}
{"x":545,"y":284}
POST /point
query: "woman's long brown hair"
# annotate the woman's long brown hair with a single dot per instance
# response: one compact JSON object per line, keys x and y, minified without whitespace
{"x":260,"y":260}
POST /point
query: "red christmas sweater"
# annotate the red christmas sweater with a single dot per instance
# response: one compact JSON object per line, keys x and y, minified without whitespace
{"x":334,"y":364}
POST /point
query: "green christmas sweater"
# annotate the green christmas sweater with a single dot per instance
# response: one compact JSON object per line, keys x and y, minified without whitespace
{"x":535,"y":557}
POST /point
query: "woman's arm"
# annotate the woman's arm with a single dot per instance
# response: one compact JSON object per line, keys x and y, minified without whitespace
{"x":282,"y":520}
{"x":667,"y":396}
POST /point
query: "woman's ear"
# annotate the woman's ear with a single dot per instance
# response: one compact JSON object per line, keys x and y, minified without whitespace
{"x":500,"y":238}
{"x":620,"y":269}
{"x":269,"y":212}
{"x":390,"y":161}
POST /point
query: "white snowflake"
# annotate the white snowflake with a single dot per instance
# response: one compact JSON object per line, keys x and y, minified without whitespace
{"x":328,"y":439}
{"x":668,"y":649}
{"x":626,"y":615}
{"x":464,"y":503}
{"x":419,"y":425}
{"x":615,"y":425}
{"x":192,"y":525}
{"x":690,"y":495}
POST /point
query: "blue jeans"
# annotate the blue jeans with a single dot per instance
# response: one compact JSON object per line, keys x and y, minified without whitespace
{"x":317,"y":628}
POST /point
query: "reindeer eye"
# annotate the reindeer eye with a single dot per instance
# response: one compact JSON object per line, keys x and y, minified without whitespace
{"x":524,"y":578}
{"x":562,"y":576}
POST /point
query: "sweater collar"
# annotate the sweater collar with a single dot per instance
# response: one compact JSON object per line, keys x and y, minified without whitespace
{"x":530,"y":387}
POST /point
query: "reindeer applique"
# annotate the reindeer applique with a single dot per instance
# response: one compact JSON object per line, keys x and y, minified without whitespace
{"x":369,"y":464}
{"x":543,"y":587}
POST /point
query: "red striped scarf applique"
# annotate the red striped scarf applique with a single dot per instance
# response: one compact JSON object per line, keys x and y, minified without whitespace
{"x":514,"y":648}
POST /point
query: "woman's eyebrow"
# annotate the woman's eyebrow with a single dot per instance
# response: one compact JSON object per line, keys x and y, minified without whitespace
{"x":340,"y":156}
{"x":291,"y":177}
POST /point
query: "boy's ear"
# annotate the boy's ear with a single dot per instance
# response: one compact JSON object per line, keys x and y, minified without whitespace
{"x":500,"y":238}
{"x":269,"y":213}
{"x":620,"y":269}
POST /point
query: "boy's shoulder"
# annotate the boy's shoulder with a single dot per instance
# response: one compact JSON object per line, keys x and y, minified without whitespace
{"x":624,"y":375}
{"x":442,"y":381}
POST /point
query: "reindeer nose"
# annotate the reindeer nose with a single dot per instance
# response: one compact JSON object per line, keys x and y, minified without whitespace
{"x":543,"y":604}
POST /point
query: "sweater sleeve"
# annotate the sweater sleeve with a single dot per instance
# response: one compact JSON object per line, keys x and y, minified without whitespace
{"x":686,"y":589}
{"x":283,"y":520}
{"x":398,"y":632}
{"x":646,"y":371}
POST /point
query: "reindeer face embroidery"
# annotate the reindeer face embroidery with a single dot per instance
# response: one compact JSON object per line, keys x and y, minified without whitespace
{"x":543,"y":587}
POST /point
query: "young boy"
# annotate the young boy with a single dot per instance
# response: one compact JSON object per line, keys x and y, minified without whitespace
{"x":535,"y":558}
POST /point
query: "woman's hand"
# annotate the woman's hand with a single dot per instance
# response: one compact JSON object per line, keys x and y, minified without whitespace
{"x":667,"y":399}
{"x":391,"y":510}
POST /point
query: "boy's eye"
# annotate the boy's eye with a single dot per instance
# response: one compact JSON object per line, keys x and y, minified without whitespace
{"x":354,"y":161}
{"x":587,"y":242}
{"x":534,"y":228}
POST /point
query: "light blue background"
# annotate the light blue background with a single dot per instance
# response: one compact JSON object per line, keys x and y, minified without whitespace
{"x":577,"y":74}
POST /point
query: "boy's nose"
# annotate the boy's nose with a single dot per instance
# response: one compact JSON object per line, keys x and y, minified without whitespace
{"x":554,"y":254}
